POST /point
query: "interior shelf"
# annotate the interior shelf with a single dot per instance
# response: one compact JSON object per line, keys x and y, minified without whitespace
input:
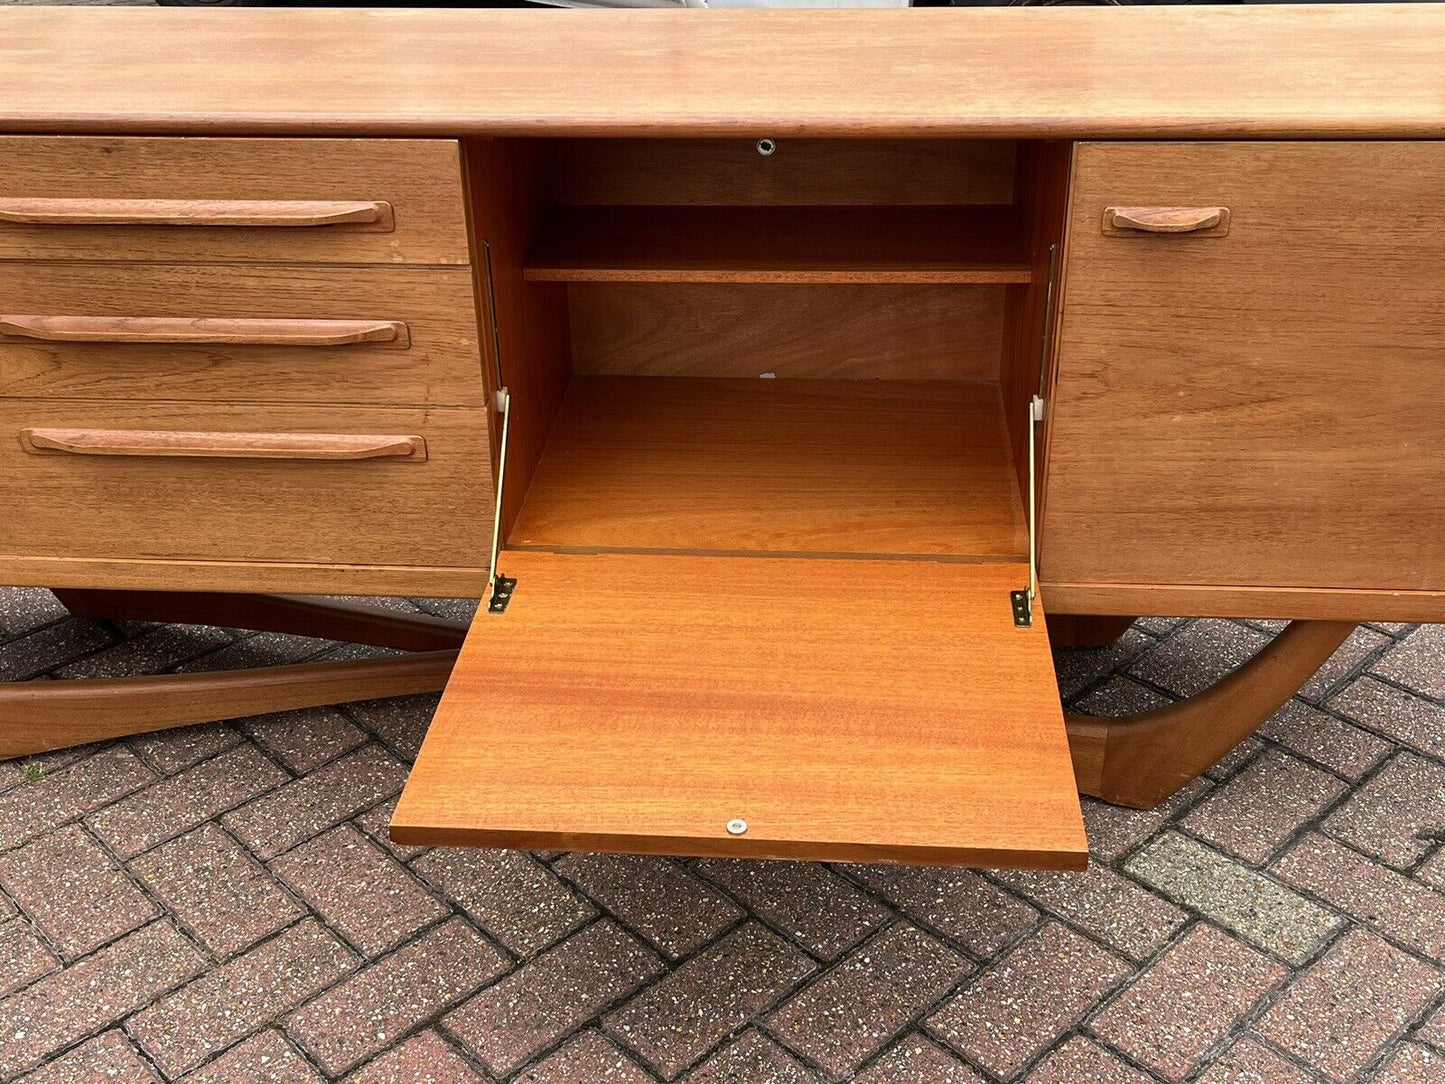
{"x":784,"y":467}
{"x":978,"y":244}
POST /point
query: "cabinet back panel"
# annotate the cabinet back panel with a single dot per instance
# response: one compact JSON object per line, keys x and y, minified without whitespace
{"x":836,"y":332}
{"x":731,"y":172}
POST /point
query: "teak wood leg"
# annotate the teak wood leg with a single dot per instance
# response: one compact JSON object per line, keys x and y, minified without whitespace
{"x":1140,"y":760}
{"x":39,"y":716}
{"x":1084,"y":630}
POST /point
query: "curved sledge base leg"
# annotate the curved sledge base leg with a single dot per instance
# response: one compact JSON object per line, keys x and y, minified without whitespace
{"x":37,"y":716}
{"x":1140,"y":760}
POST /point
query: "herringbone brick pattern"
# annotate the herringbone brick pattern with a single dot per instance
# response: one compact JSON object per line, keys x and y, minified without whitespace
{"x":221,"y":905}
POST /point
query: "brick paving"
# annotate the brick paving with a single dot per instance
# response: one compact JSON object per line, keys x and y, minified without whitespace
{"x":220,"y":905}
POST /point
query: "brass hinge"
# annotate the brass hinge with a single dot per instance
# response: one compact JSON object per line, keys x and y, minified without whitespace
{"x":502,"y":586}
{"x":1023,"y":601}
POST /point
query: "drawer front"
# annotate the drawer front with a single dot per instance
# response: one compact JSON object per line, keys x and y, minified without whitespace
{"x":1257,"y":400}
{"x":361,"y":335}
{"x":174,"y":482}
{"x":269,"y":200}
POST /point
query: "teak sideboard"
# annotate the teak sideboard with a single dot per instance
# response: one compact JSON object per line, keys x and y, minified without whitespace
{"x":768,"y":375}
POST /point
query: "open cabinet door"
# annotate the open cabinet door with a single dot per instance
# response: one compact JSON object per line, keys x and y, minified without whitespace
{"x":819,"y":709}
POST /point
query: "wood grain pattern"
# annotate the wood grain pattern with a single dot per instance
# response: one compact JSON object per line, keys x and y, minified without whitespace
{"x":1171,"y":72}
{"x":252,"y":331}
{"x":36,"y":716}
{"x":781,"y":244}
{"x":772,"y":466}
{"x":191,"y":444}
{"x":468,"y":579}
{"x":640,"y":703}
{"x":510,"y":184}
{"x":435,"y":362}
{"x":299,"y":615}
{"x":399,"y":201}
{"x":840,"y":332}
{"x":1260,"y":410}
{"x":1140,"y":760}
{"x":1284,"y":603}
{"x":801,"y":172}
{"x":1211,"y":220}
{"x":93,"y":211}
{"x":383,"y":511}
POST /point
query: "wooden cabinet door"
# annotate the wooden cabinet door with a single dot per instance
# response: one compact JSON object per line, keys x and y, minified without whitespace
{"x":1259,"y":402}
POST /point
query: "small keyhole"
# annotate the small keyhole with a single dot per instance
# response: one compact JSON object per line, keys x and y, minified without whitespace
{"x":767,"y":147}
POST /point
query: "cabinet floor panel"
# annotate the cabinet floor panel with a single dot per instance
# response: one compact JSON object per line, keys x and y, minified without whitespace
{"x":800,"y":467}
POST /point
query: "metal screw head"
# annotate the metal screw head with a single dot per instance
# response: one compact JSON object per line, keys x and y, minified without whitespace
{"x":737,"y":826}
{"x":767,"y":147}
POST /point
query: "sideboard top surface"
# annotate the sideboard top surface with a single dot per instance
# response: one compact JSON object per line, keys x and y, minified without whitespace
{"x":1169,"y":72}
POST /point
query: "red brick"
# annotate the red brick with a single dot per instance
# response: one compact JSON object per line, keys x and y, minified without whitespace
{"x":1112,"y":908}
{"x":181,"y":802}
{"x":148,"y":652}
{"x":1259,"y":809}
{"x":587,"y":1058}
{"x":176,"y":750}
{"x":917,"y":1059}
{"x":37,"y":807}
{"x":1188,"y":1001}
{"x":89,"y":996}
{"x":1199,"y":655}
{"x":1114,"y":831}
{"x":106,"y":1059}
{"x":958,"y":903}
{"x":368,"y":1012}
{"x":1250,"y":1062}
{"x":400,"y":722}
{"x":227,"y":899}
{"x":74,"y":891}
{"x":299,"y":810}
{"x":510,"y":894}
{"x":229,"y":1002}
{"x":24,"y":957}
{"x":1343,"y":1010}
{"x":364,"y":893}
{"x":306,"y":739}
{"x":51,"y":646}
{"x":1416,"y":661}
{"x":547,"y":997}
{"x":877,"y":990}
{"x":1079,"y":1061}
{"x":1344,"y":749}
{"x":423,"y":1059}
{"x":262,"y":1059}
{"x":807,"y":901}
{"x":656,"y":897}
{"x":753,"y":1058}
{"x":1410,"y":720}
{"x":1024,"y":1002}
{"x":1384,"y":815}
{"x":675,"y":1021}
{"x":1396,"y":905}
{"x":1411,"y":1064}
{"x":376,"y":823}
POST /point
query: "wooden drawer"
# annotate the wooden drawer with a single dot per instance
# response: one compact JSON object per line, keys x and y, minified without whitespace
{"x":424,"y":498}
{"x":273,"y":200}
{"x":92,"y":330}
{"x":1262,"y":407}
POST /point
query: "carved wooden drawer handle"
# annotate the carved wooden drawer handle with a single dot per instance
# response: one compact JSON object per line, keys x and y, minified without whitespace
{"x":195,"y":212}
{"x":1215,"y":220}
{"x":172,"y":443}
{"x":158,"y":329}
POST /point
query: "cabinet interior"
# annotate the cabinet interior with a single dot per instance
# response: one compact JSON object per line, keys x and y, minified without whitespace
{"x":824,"y":350}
